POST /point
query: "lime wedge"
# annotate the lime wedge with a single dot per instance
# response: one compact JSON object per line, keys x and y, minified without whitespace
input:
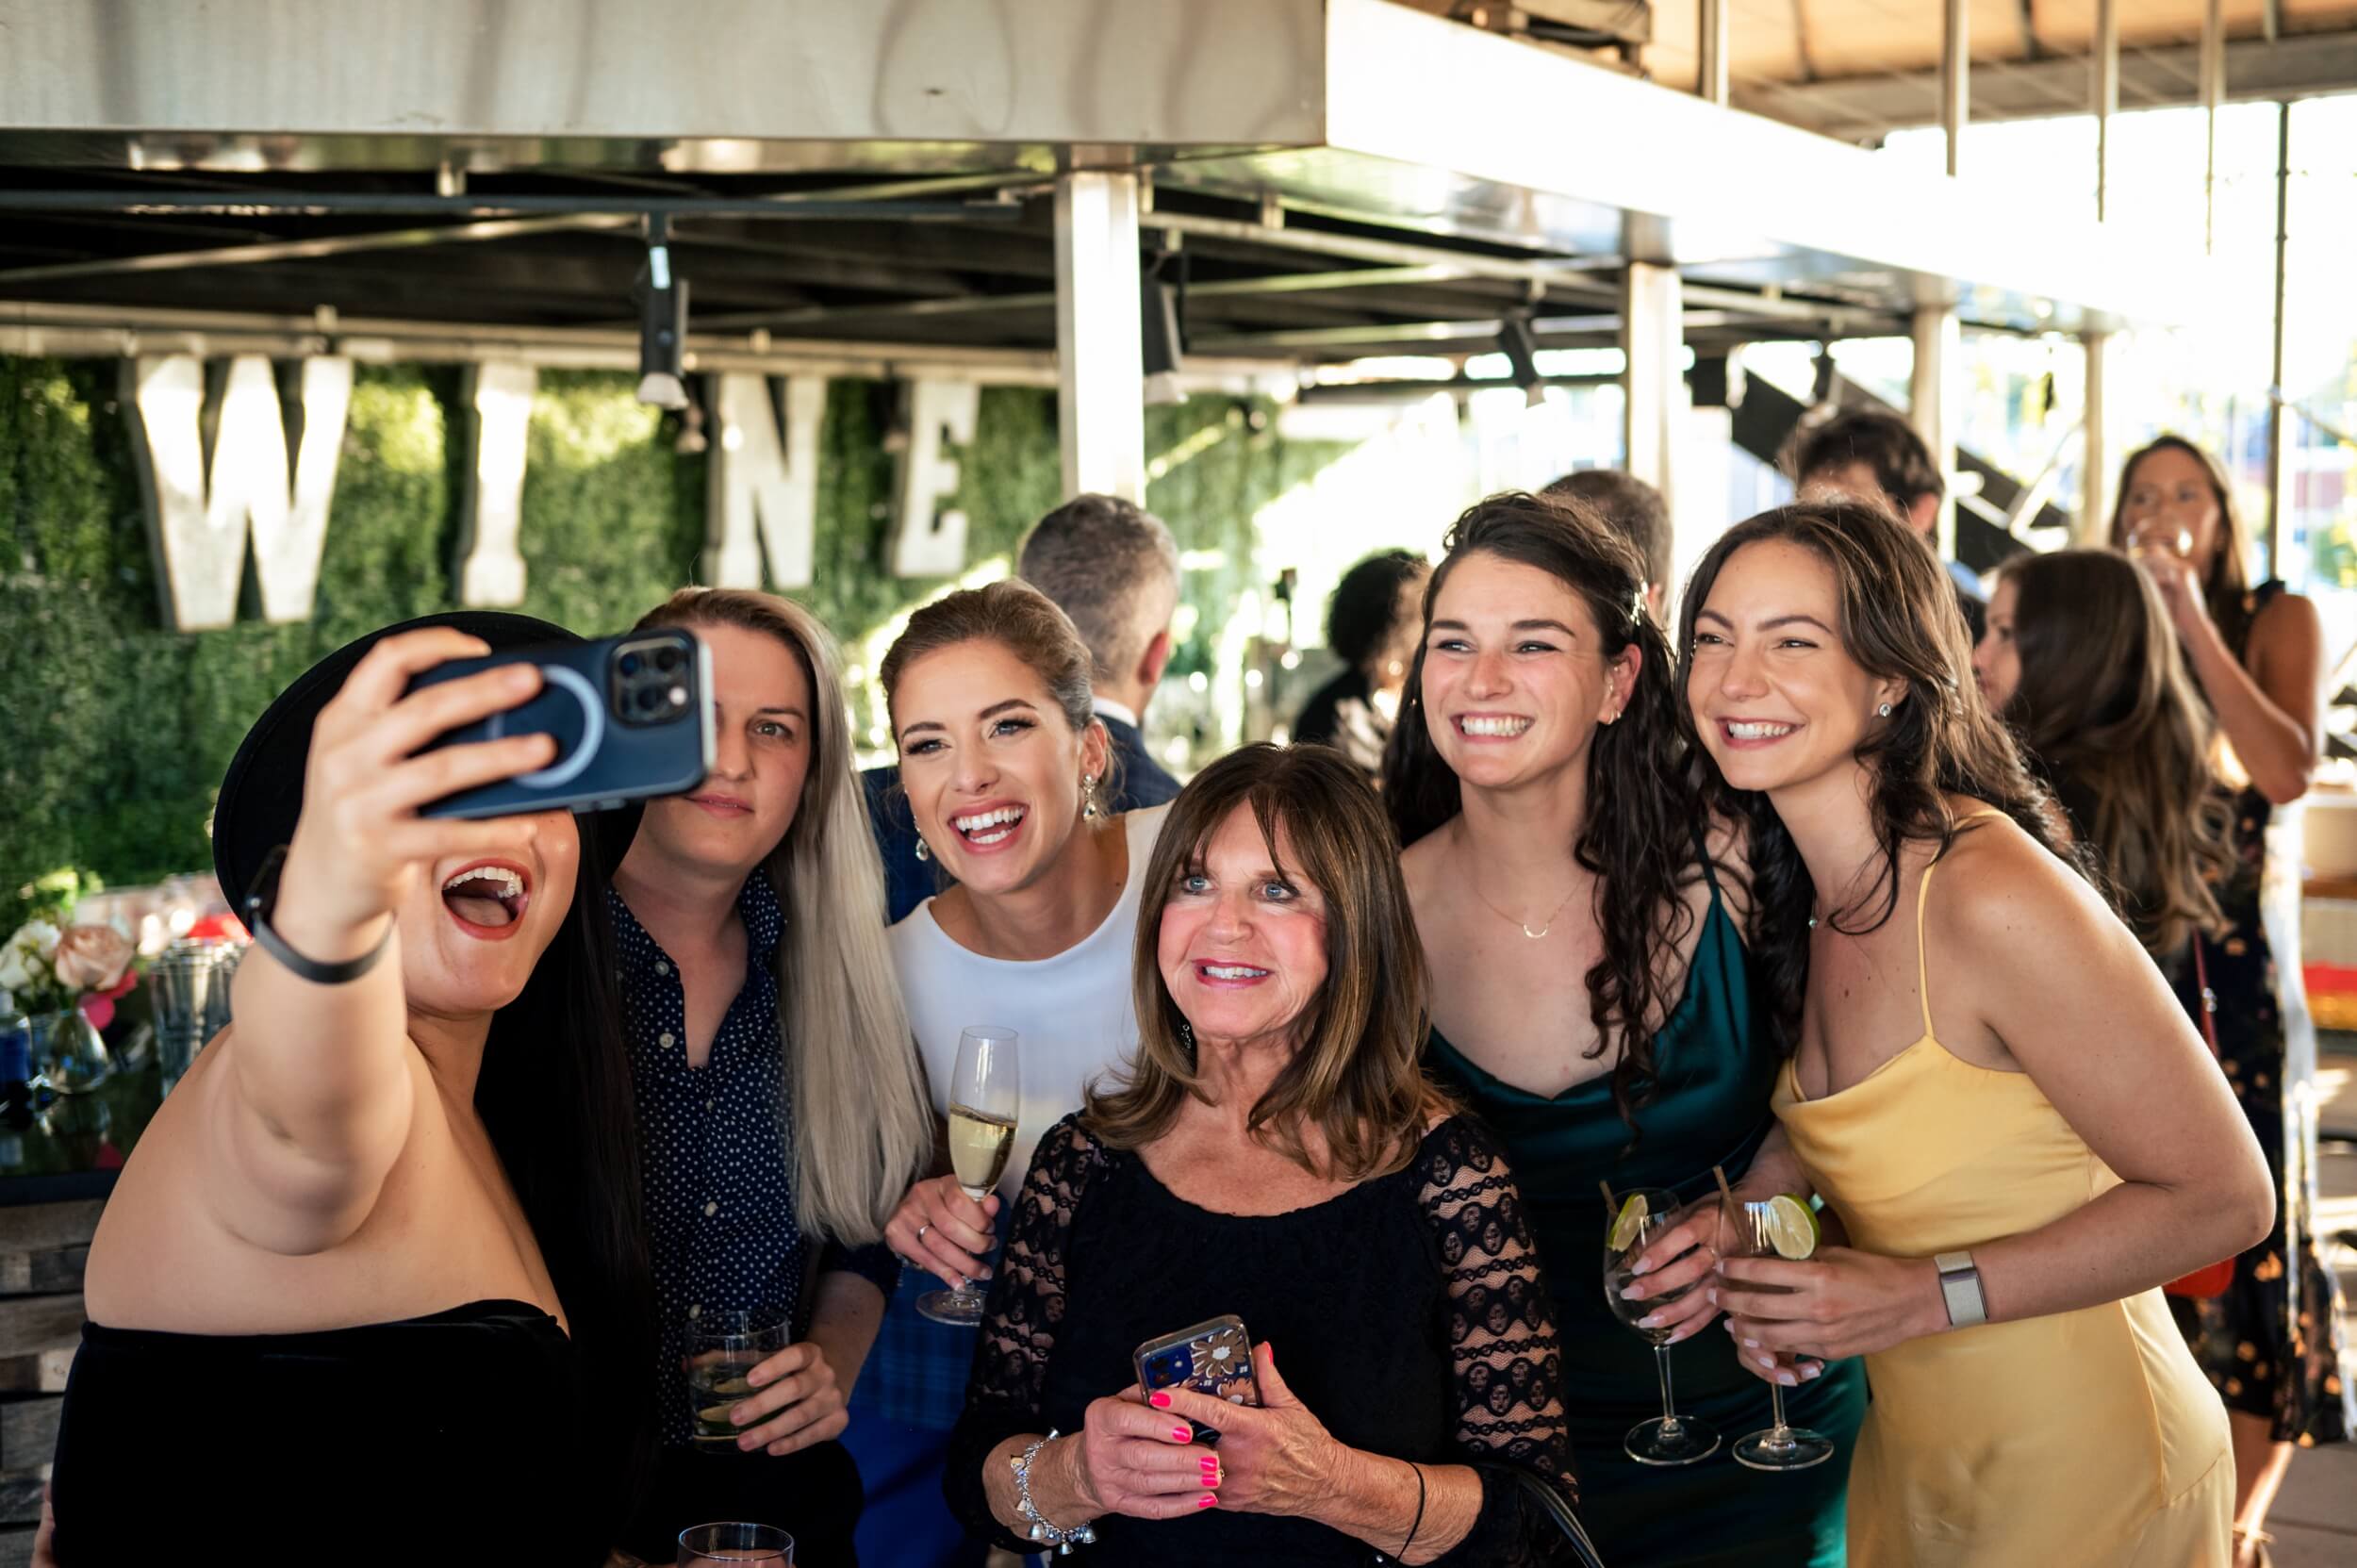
{"x":1789,"y":1225}
{"x":1630,"y":1222}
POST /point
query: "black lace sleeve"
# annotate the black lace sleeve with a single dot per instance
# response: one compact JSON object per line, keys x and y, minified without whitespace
{"x":1509,"y":1361}
{"x":1019,"y":1331}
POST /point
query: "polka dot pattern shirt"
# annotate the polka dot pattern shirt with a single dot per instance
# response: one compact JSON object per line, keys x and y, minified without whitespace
{"x":716,"y":1150}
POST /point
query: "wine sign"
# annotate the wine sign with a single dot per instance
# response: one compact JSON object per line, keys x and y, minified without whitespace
{"x":204,"y":507}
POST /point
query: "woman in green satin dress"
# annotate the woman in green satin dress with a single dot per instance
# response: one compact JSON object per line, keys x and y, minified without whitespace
{"x":1564,"y":883}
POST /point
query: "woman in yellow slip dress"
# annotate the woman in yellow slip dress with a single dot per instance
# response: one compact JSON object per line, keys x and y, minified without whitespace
{"x":2015,"y":1131}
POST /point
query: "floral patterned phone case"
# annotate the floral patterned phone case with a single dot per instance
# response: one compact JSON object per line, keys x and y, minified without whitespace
{"x":1214,"y":1358}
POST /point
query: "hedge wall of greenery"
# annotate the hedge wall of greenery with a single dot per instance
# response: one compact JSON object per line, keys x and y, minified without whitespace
{"x":114,"y":732}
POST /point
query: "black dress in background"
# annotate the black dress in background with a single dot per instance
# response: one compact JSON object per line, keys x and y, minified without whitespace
{"x":1406,"y":1314}
{"x":2271,"y":1344}
{"x":461,"y":1437}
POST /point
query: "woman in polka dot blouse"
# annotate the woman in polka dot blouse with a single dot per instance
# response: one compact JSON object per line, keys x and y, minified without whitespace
{"x":781,"y":1110}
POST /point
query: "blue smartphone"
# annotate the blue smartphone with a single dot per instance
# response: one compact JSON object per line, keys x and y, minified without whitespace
{"x":1214,"y":1357}
{"x":632,"y":716}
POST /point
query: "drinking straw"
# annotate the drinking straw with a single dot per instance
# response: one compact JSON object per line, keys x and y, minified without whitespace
{"x":1611,"y":1204}
{"x":1725,"y":1191}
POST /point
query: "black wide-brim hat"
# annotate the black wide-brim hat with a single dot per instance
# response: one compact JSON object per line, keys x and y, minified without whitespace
{"x":261,"y":794}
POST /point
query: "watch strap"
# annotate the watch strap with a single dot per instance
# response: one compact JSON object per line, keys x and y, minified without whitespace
{"x":1960,"y":1288}
{"x":264,"y":898}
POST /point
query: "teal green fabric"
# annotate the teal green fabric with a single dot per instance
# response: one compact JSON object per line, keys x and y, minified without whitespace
{"x":1717,"y":1063}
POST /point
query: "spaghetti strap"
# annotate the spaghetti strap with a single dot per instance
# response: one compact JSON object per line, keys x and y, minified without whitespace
{"x":1922,"y":900}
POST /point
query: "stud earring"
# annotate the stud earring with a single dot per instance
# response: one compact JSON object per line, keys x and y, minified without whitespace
{"x":922,"y":852}
{"x":1884,"y":710}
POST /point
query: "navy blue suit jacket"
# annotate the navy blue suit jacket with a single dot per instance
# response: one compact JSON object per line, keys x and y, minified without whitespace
{"x":909,"y":881}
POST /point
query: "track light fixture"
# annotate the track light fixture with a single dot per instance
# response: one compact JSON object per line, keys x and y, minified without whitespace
{"x":662,"y":323}
{"x":1161,"y":300}
{"x":1521,"y":349}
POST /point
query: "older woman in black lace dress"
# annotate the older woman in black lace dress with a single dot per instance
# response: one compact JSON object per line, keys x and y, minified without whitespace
{"x":1273,"y":1153}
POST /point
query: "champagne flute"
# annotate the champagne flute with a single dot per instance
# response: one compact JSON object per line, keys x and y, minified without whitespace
{"x":985,"y":1102}
{"x":1750,"y":1231}
{"x":1646,"y":1215}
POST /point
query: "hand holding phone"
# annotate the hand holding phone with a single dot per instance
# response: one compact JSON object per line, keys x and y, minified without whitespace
{"x":631,"y":718}
{"x":1212,"y":1357}
{"x":361,"y":838}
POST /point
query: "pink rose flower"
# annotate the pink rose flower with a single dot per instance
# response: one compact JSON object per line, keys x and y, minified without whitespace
{"x":93,"y":958}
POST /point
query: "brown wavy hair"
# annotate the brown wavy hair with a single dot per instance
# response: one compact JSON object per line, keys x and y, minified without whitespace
{"x":1899,"y":622}
{"x":2109,"y":713}
{"x":1355,"y":1073}
{"x":1026,"y":623}
{"x":2226,"y":587}
{"x":1642,"y":837}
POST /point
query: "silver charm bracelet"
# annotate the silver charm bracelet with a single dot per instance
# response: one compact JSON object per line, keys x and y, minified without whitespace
{"x":1042,"y":1532}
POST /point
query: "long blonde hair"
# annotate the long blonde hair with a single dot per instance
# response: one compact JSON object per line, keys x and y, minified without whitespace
{"x":863,"y":1125}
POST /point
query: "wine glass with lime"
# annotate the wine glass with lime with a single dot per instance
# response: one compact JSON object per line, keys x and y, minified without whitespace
{"x":1645,"y":1216}
{"x":1780,"y":1227}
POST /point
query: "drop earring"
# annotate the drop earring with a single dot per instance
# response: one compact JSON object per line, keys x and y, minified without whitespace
{"x":922,"y":852}
{"x":1088,"y":798}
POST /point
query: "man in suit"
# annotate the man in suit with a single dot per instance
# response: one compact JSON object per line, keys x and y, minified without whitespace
{"x":1114,"y":568}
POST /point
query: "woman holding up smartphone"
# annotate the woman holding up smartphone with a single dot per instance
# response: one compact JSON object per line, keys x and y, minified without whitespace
{"x":781,"y":1109}
{"x":1005,"y":764}
{"x":372,"y":1277}
{"x":1274,"y":1154}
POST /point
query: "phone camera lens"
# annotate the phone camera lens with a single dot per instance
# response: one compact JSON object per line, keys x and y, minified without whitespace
{"x":630,"y":663}
{"x":650,"y":700}
{"x":666,"y":659}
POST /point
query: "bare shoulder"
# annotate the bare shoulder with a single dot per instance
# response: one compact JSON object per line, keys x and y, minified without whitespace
{"x":2003,"y":899}
{"x":2289,"y":628}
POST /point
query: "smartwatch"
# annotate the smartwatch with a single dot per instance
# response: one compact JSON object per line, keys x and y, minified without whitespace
{"x":1960,"y":1287}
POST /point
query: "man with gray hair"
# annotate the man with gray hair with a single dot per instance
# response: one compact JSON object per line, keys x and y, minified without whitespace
{"x":1114,"y":568}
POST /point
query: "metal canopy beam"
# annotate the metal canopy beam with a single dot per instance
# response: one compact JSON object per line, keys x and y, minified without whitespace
{"x":1864,"y":109}
{"x":597,"y":77}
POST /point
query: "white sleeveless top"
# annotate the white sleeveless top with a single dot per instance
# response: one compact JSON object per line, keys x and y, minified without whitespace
{"x":1073,"y":1012}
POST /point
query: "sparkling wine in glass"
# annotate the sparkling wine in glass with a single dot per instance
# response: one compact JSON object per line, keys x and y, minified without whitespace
{"x":1645,"y":1214}
{"x":1779,"y":1228}
{"x":985,"y":1104}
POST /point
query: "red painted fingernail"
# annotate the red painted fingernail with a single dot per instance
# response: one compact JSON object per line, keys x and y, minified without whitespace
{"x":1207,"y":1499}
{"x":1159,"y":1401}
{"x":1210,"y":1468}
{"x":1180,"y":1434}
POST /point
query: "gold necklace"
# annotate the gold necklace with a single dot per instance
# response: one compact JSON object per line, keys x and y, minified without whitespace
{"x":1534,"y":935}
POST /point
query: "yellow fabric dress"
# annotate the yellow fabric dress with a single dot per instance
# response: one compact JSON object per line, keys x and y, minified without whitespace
{"x":2086,"y":1439}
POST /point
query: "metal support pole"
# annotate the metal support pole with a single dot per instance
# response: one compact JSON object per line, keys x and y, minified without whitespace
{"x":1653,"y":382}
{"x":2105,"y":91}
{"x":1956,"y":75}
{"x":2094,"y":463}
{"x":2212,"y":86}
{"x":1712,"y":82}
{"x":1939,"y":362}
{"x":2279,"y":420}
{"x":1101,"y":363}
